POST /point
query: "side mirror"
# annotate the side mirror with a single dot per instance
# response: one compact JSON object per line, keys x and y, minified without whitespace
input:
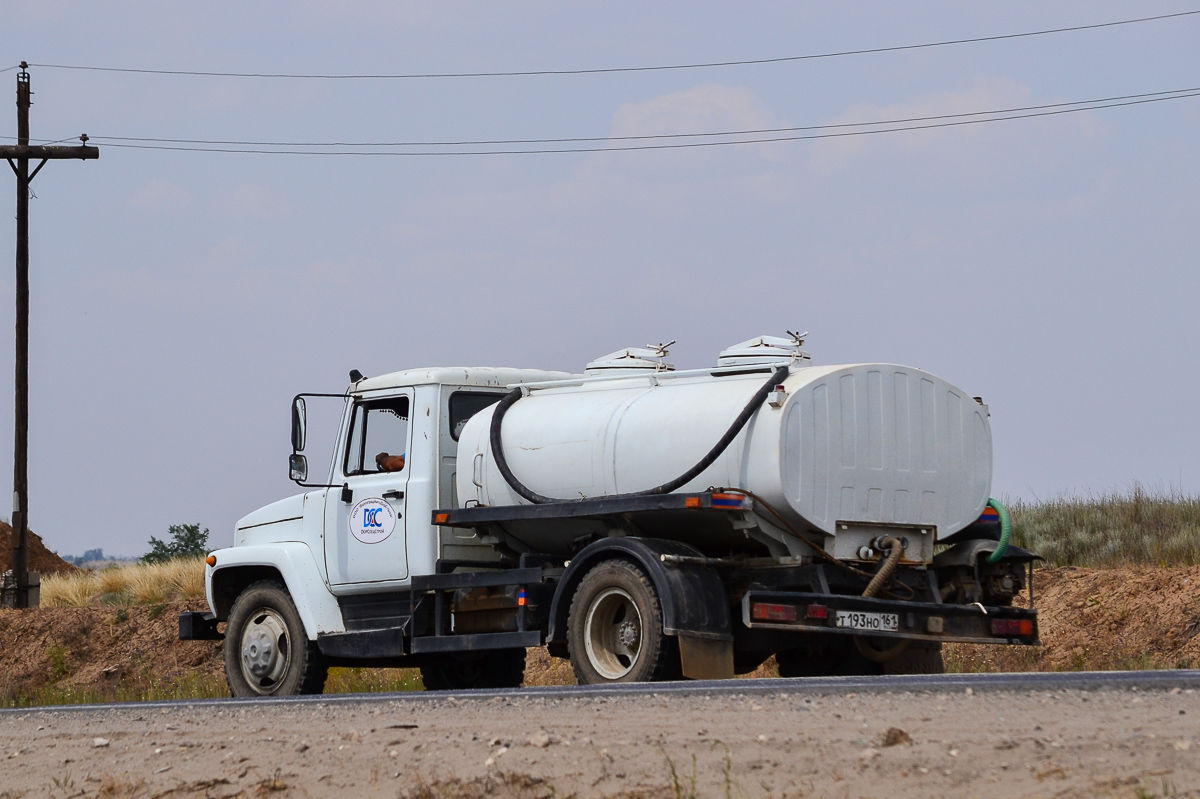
{"x":298,"y":466}
{"x":299,"y":424}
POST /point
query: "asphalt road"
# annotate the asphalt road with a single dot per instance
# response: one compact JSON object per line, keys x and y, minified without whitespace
{"x":1108,"y":734}
{"x":1183,"y":679}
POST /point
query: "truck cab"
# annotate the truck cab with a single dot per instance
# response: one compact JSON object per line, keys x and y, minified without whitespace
{"x":344,"y":552}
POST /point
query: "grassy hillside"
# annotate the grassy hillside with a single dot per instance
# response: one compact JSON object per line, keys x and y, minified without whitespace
{"x":129,"y":584}
{"x":1138,"y":528}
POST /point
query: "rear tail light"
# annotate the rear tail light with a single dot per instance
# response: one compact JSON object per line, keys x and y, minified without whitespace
{"x":766,"y":612}
{"x":1012,"y":627}
{"x":816,"y":612}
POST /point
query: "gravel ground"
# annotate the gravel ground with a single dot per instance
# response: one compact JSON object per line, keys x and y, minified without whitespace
{"x":1121,"y":743}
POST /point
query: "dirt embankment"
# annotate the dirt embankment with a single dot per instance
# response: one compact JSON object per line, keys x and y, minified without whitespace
{"x":41,"y":560}
{"x":1137,"y":617}
{"x":101,"y":651}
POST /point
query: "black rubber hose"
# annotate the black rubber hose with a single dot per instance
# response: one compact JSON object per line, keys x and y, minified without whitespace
{"x":666,"y":488}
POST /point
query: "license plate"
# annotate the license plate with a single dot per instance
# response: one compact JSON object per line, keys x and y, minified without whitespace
{"x":874,"y":622}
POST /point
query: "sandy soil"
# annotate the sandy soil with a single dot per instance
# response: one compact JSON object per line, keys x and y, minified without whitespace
{"x":1136,"y":617}
{"x":101,"y":648}
{"x":41,"y":560}
{"x":1062,"y":744}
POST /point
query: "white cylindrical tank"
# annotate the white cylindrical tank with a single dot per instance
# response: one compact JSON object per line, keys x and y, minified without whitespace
{"x":875,"y":443}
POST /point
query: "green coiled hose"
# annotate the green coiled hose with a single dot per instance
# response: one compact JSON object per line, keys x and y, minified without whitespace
{"x":1005,"y":531}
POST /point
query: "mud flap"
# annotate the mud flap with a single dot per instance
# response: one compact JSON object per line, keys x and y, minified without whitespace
{"x":705,"y":658}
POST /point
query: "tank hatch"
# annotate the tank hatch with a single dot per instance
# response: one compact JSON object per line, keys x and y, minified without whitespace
{"x":632,"y":360}
{"x":767,"y":351}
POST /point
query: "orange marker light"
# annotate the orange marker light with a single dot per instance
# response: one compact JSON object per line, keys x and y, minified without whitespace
{"x":211,"y":560}
{"x":441,"y":518}
{"x":692,"y":502}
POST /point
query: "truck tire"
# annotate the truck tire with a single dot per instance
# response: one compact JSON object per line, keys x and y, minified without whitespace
{"x":615,"y":628}
{"x":266,"y":650}
{"x":502,"y":668}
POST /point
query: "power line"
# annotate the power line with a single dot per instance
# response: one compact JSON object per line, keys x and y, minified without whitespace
{"x":610,"y":70}
{"x":585,"y":139}
{"x":674,"y":145}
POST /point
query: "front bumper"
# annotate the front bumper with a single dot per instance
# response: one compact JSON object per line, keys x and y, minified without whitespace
{"x":197,"y":626}
{"x":918,"y":621}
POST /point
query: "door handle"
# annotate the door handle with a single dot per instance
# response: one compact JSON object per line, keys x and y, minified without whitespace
{"x":396,"y":495}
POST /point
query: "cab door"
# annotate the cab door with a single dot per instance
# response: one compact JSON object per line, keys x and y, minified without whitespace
{"x":365,"y":539}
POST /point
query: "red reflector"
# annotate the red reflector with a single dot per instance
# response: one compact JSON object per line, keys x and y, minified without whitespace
{"x":761,"y":610}
{"x":1012,"y":627}
{"x":816,"y":612}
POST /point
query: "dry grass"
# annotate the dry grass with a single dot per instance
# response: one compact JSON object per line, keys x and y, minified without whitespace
{"x":372,"y":681}
{"x":136,"y":584}
{"x":112,"y":581}
{"x":1111,"y":529}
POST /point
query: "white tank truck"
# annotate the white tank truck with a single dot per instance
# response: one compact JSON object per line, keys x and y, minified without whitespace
{"x":647,"y":523}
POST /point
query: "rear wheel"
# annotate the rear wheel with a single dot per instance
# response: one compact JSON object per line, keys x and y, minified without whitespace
{"x":266,"y":650}
{"x":840,"y":656}
{"x":615,"y":628}
{"x":921,"y":658}
{"x":825,"y":656}
{"x":502,"y":668}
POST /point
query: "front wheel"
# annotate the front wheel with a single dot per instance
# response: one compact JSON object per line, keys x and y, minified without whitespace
{"x":503,"y":668}
{"x":266,"y":650}
{"x":615,"y":629}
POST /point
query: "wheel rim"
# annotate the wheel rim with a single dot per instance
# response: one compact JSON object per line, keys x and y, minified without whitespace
{"x":266,"y":650}
{"x":613,"y":634}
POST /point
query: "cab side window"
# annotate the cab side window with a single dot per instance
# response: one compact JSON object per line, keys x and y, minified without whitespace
{"x":464,"y":405}
{"x":377,"y":426}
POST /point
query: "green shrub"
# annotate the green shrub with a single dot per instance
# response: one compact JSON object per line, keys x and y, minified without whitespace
{"x":186,"y":542}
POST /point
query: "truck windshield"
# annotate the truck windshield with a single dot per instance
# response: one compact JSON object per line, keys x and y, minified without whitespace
{"x":378,"y":426}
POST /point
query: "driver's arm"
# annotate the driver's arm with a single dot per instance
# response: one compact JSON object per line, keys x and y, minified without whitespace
{"x":389,"y":463}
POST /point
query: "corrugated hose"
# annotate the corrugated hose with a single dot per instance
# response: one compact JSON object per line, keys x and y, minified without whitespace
{"x":894,"y":550}
{"x":1005,"y":531}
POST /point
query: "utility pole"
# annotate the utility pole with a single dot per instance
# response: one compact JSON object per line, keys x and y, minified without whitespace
{"x":18,"y":158}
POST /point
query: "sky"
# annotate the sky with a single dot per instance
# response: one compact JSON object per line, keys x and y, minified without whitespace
{"x":180,"y":299}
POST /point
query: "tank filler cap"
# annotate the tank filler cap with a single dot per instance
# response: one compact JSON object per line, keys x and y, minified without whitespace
{"x":632,"y":361}
{"x":767,"y":351}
